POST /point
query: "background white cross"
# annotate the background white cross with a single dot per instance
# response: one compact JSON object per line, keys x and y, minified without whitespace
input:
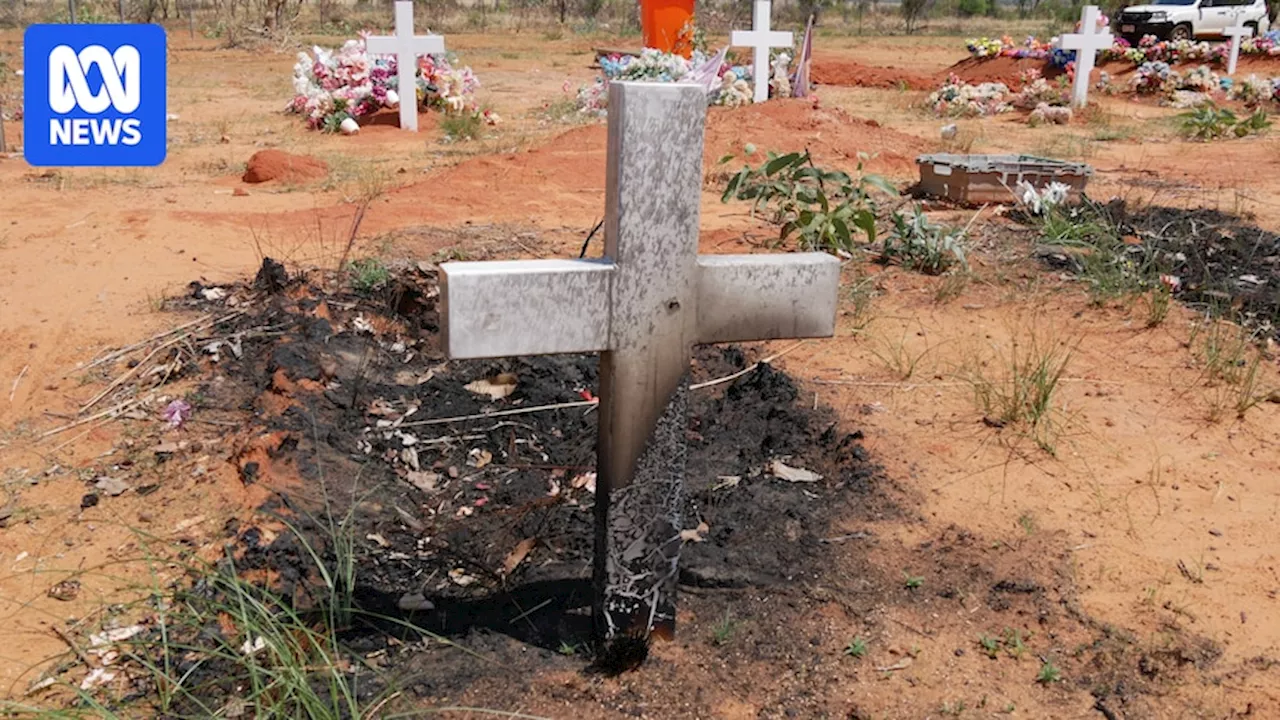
{"x":1086,"y":43}
{"x":406,"y":47}
{"x":761,"y":38}
{"x":1235,"y":32}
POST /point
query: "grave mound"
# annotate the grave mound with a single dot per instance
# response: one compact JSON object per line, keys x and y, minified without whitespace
{"x":278,"y":165}
{"x":848,"y":73}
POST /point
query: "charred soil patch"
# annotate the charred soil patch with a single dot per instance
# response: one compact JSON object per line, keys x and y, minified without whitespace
{"x":460,"y":495}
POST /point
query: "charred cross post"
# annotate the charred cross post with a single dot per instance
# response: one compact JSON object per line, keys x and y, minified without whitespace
{"x":643,"y":307}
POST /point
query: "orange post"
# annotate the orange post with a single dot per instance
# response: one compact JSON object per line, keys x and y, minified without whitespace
{"x":666,"y":25}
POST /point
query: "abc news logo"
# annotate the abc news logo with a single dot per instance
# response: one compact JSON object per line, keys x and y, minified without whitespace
{"x":96,"y":95}
{"x":69,"y":89}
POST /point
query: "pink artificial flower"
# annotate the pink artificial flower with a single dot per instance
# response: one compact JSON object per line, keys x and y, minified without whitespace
{"x":176,"y":413}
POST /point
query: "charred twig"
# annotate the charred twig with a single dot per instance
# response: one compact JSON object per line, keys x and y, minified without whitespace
{"x":590,"y":235}
{"x":500,"y":413}
{"x":71,"y":644}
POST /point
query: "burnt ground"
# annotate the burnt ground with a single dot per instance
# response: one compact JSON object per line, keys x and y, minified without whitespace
{"x":479,"y":530}
{"x":1226,"y":264}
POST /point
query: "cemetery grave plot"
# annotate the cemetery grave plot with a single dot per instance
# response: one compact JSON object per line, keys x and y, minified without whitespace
{"x":1062,"y":554}
{"x":489,"y":543}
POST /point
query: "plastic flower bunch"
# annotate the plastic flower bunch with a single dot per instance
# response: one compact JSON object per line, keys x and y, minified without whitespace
{"x":1252,"y":91}
{"x":1199,"y":79}
{"x":1041,"y":202}
{"x":445,"y":87}
{"x":1275,"y":89}
{"x":780,"y":80}
{"x":1152,"y":78}
{"x":984,"y":47}
{"x":333,"y":86}
{"x":1037,"y":92}
{"x":958,"y":98}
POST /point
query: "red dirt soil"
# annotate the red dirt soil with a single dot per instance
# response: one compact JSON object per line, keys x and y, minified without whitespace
{"x":268,"y":165}
{"x":847,"y":73}
{"x":1006,"y":69}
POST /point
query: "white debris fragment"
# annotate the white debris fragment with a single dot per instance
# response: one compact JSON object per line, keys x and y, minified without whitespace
{"x":781,"y":470}
{"x":114,"y":635}
{"x":253,"y":647}
{"x":96,"y":677}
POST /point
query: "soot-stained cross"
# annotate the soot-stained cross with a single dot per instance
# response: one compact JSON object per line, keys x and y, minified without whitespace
{"x":642,"y":307}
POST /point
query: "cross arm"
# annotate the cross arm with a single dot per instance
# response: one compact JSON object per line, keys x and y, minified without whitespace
{"x":524,"y":307}
{"x":766,"y":297}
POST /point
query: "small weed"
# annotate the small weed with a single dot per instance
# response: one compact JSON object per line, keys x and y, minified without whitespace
{"x":722,"y":632}
{"x":912,"y":582}
{"x":1159,"y":300}
{"x":952,"y":709}
{"x":952,"y":286}
{"x":567,"y":648}
{"x":1028,"y":523}
{"x":900,"y":361}
{"x":1232,"y":368}
{"x":1013,"y":642}
{"x":1009,"y":709}
{"x":1024,"y":395}
{"x":1049,"y":673}
{"x":917,"y":243}
{"x":989,"y":645}
{"x":368,"y":274}
{"x":460,"y":127}
{"x":857,"y":648}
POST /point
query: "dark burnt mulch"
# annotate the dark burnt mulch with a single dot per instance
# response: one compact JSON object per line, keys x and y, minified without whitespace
{"x":1223,"y":260}
{"x":487,"y":523}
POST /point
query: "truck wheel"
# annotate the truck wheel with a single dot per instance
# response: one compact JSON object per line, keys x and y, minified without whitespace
{"x":1180,"y":32}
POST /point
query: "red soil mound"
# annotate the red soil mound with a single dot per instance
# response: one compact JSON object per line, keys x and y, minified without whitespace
{"x":831,"y":134}
{"x":998,"y":69}
{"x":847,"y":73}
{"x":266,"y":165}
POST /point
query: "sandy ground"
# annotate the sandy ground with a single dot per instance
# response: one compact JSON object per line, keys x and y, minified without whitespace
{"x":1141,"y":483}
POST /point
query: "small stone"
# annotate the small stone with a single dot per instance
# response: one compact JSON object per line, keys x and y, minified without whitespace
{"x":88,"y":501}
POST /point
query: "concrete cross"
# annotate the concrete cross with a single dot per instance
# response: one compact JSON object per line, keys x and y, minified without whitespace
{"x":406,"y":47}
{"x":643,"y":307}
{"x":1086,"y":43}
{"x":1236,"y":32}
{"x":761,"y":38}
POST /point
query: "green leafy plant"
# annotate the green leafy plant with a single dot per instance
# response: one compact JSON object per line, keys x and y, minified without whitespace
{"x":857,"y":648}
{"x":919,"y":244}
{"x":1049,"y":673}
{"x":1210,"y":122}
{"x":1013,"y":642}
{"x":912,"y":582}
{"x":989,"y":645}
{"x":722,"y":632}
{"x":368,"y":274}
{"x":822,"y":208}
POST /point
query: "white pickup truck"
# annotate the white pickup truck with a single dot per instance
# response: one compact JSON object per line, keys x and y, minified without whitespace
{"x":1187,"y":19}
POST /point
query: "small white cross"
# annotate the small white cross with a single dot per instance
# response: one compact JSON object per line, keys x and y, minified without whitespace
{"x":1235,"y":32}
{"x":761,"y":38}
{"x":1086,"y":43}
{"x":406,"y":47}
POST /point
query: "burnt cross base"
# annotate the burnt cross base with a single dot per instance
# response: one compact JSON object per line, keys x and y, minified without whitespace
{"x":643,"y":307}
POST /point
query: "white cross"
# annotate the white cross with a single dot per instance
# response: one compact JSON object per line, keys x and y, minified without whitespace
{"x":406,"y":47}
{"x":1086,"y":42}
{"x":643,"y":307}
{"x":761,"y":38}
{"x":1235,"y":32}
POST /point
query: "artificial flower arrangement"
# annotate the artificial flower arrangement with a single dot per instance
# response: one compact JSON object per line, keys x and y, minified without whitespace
{"x":727,"y":84}
{"x":336,"y":88}
{"x":1252,"y":91}
{"x":1148,"y":49}
{"x":957,"y":98}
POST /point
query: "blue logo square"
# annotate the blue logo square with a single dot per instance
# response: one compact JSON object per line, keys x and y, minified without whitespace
{"x":95,"y":95}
